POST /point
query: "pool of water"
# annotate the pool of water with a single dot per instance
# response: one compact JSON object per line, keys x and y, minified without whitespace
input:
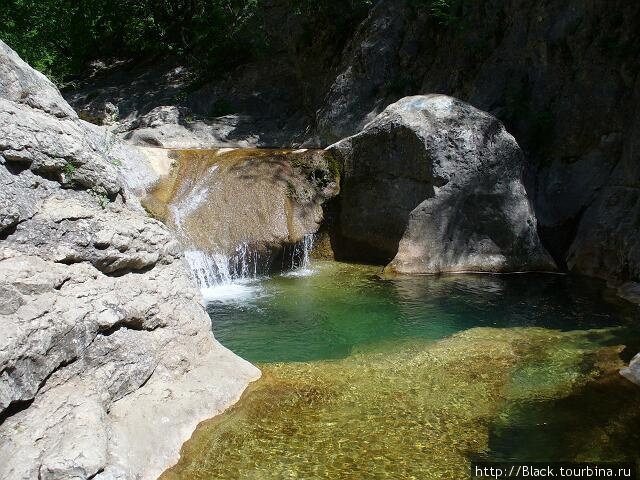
{"x":414,"y":377}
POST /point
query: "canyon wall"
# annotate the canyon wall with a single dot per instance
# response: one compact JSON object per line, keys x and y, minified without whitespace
{"x":561,"y":75}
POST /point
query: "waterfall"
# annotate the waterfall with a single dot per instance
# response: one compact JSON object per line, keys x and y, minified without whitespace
{"x":217,"y":269}
{"x":297,"y":258}
{"x":222,"y":276}
{"x":228,"y":208}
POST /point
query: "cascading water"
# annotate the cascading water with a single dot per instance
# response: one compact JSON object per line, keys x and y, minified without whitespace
{"x":217,"y":268}
{"x":220,"y":276}
{"x":299,"y":260}
{"x":231,"y":207}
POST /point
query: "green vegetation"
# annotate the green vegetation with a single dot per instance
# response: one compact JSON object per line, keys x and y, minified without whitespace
{"x":335,"y":166}
{"x":100,"y":197}
{"x":447,"y":13}
{"x":69,"y":169}
{"x":60,"y":37}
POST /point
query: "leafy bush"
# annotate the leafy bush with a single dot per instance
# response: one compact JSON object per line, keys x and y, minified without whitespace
{"x":445,"y":12}
{"x":60,"y":37}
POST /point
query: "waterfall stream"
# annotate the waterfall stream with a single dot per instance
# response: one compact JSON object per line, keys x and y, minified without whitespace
{"x":236,"y":213}
{"x":221,"y":276}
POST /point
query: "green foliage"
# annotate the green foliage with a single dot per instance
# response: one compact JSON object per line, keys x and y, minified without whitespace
{"x":445,"y":12}
{"x":59,"y":37}
{"x":69,"y":169}
{"x":100,"y":197}
{"x":328,"y":8}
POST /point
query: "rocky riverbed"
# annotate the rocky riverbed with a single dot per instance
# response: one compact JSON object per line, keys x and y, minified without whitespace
{"x":107,"y":360}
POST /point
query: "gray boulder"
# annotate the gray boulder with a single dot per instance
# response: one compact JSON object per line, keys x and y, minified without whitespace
{"x":21,"y":84}
{"x":107,"y":360}
{"x":632,"y":372}
{"x":436,"y":184}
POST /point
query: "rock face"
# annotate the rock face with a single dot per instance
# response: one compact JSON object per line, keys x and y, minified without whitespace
{"x":562,"y":76}
{"x":444,"y":180}
{"x":107,"y":361}
{"x":265,"y":199}
{"x":632,"y":372}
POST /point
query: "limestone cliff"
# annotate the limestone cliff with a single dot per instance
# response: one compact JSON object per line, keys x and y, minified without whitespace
{"x":107,"y":360}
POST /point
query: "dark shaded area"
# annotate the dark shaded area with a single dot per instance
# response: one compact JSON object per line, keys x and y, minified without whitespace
{"x":603,"y":408}
{"x":60,"y":38}
{"x":386,"y":176}
{"x":15,"y":408}
{"x":558,"y":238}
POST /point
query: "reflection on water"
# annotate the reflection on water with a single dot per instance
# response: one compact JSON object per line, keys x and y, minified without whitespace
{"x":325,"y":315}
{"x":414,"y":377}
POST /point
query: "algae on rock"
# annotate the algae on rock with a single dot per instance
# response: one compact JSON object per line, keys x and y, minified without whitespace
{"x":409,"y":409}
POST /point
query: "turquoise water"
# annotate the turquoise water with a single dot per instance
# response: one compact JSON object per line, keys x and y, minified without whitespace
{"x":342,"y":306}
{"x":415,"y":377}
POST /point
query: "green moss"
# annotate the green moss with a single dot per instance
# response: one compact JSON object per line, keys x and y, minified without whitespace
{"x":409,"y":409}
{"x":335,"y":166}
{"x":296,"y":161}
{"x":291,"y":189}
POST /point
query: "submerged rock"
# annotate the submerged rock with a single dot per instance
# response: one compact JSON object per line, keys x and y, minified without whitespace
{"x":437,"y":185}
{"x":107,"y":361}
{"x":402,"y":409}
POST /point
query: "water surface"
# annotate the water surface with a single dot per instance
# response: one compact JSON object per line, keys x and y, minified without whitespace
{"x":413,"y":377}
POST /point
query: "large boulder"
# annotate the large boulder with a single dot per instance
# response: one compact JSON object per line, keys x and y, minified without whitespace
{"x":107,"y":360}
{"x":632,"y":372}
{"x":437,"y":185}
{"x":265,"y":199}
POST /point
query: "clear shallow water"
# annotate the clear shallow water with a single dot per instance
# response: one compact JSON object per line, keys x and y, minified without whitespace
{"x":413,"y":377}
{"x":324,"y":315}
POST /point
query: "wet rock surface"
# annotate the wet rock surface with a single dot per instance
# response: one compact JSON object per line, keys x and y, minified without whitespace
{"x":107,"y":361}
{"x":440,"y":183}
{"x":265,"y":199}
